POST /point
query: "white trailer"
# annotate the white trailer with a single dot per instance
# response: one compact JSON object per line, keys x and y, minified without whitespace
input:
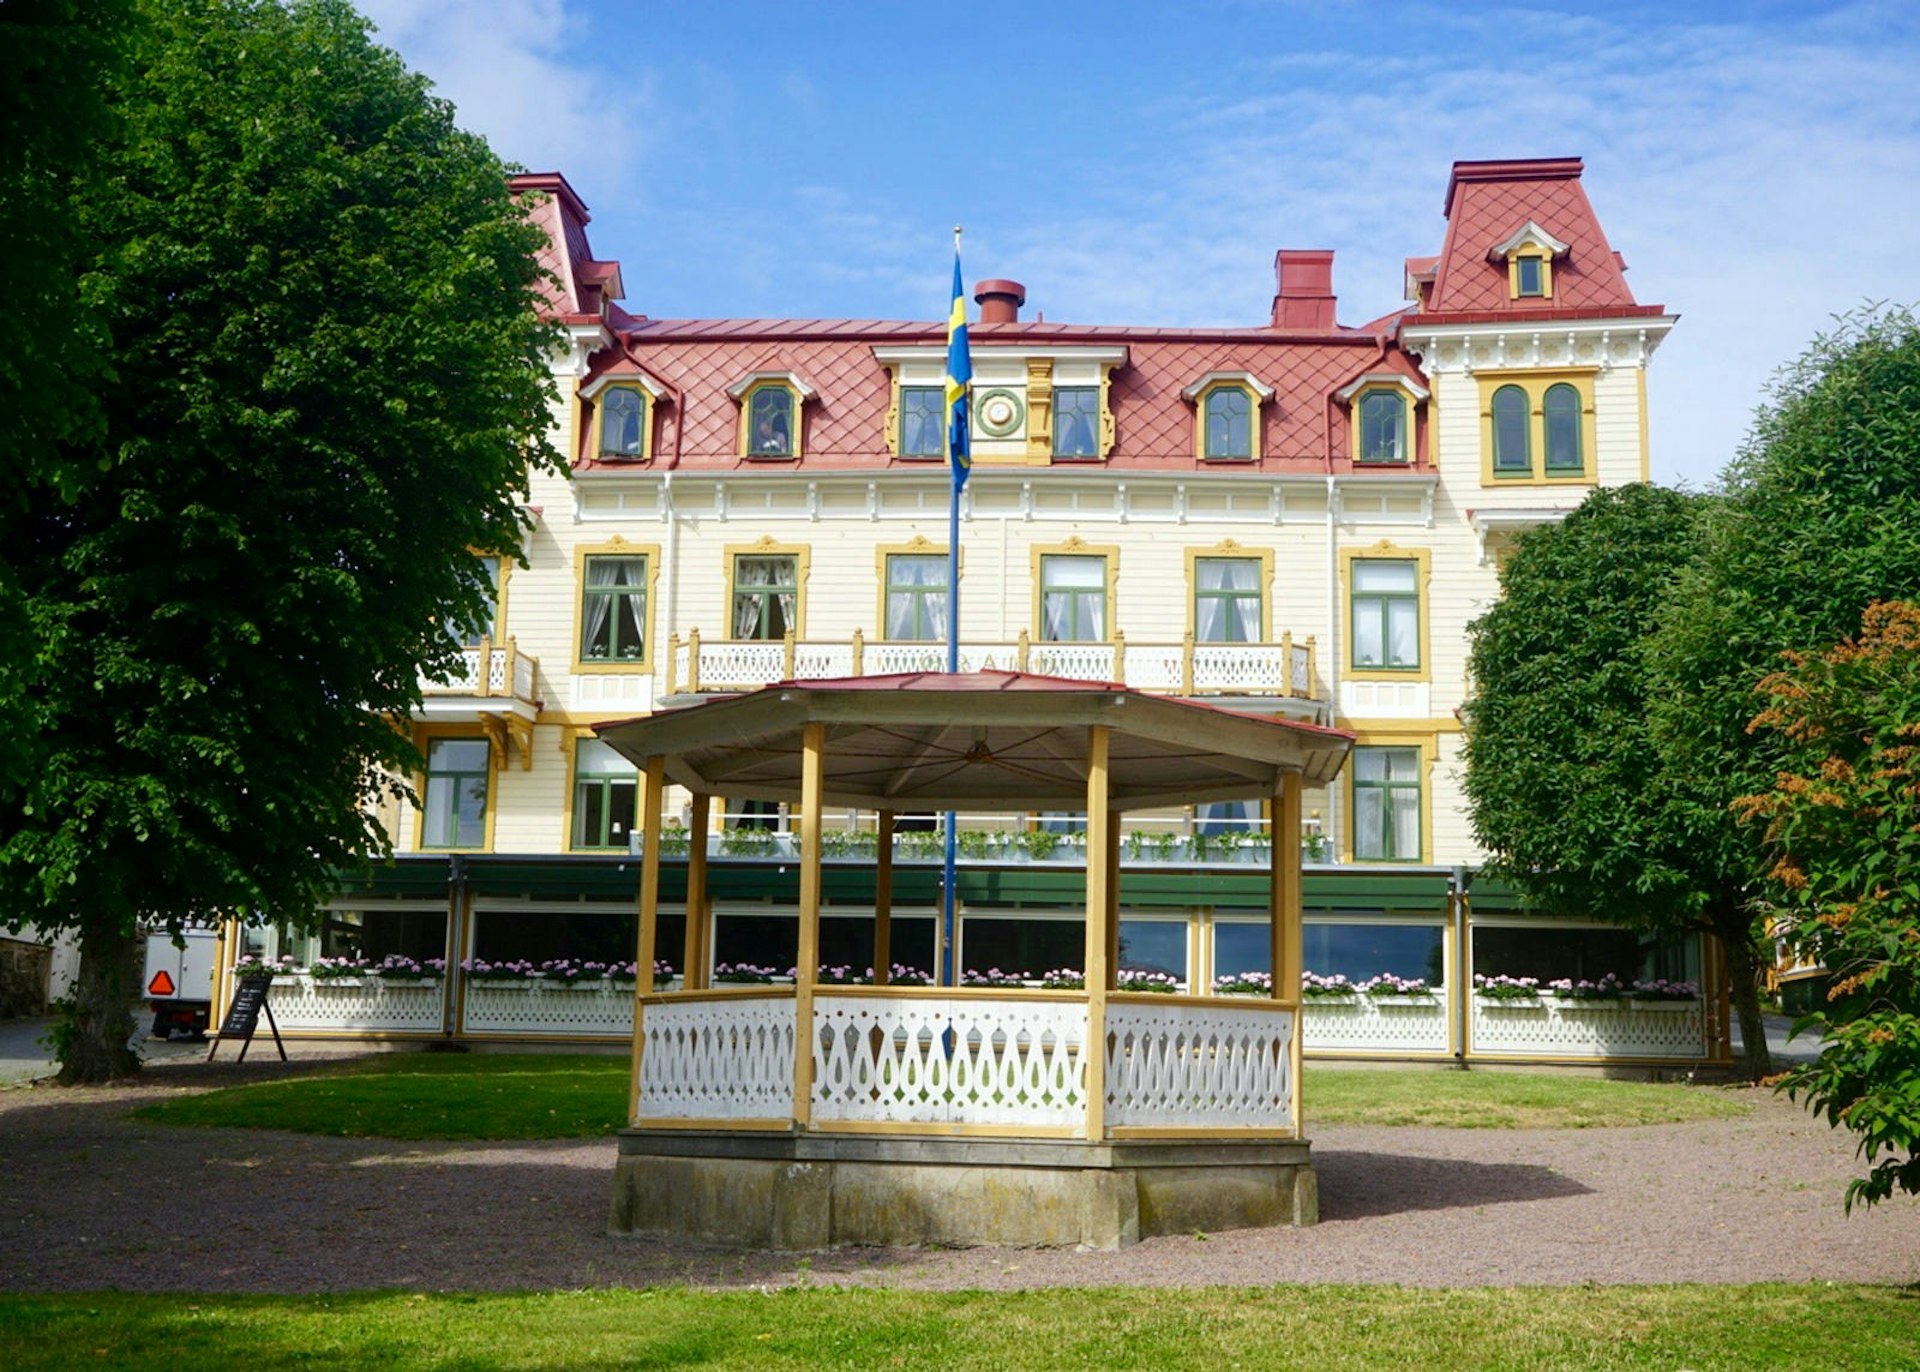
{"x":179,"y":982}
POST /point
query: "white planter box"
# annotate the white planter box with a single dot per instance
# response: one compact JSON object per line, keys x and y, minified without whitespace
{"x":587,"y":1009}
{"x":357,"y":1004}
{"x":1367,"y":1024}
{"x":1588,"y":1029}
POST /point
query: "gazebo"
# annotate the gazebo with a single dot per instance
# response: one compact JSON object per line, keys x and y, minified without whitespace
{"x":807,"y":1115}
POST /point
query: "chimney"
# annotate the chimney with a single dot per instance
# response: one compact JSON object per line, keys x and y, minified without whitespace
{"x":1304,"y":279}
{"x":999,"y":300}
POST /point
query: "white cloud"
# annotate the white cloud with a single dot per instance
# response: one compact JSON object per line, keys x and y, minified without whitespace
{"x":516,"y":71}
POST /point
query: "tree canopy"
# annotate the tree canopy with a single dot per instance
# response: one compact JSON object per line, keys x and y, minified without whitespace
{"x":1842,"y":822}
{"x":328,"y":382}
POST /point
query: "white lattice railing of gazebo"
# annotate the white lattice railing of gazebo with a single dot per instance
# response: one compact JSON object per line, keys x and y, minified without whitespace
{"x":357,"y":1004}
{"x":1199,"y":1064}
{"x":1361,"y":1023}
{"x":971,"y":1058}
{"x":718,"y":1057}
{"x":596,"y":1009}
{"x":1549,"y":1027}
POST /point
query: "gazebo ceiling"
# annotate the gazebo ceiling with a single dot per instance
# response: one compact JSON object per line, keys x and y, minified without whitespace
{"x":977,"y":741}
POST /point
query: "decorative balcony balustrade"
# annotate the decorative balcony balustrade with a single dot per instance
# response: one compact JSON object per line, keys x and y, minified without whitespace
{"x":1283,"y":668}
{"x":502,"y":672}
{"x":970,"y":1061}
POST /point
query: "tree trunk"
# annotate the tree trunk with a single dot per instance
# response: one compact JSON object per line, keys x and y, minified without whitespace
{"x":97,"y":1021}
{"x":1744,"y":965}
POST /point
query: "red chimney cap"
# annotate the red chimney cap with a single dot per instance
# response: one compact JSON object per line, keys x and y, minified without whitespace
{"x":999,"y":300}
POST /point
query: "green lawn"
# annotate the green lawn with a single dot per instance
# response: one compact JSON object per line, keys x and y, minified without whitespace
{"x":426,"y":1096}
{"x":549,"y":1096}
{"x":1319,"y":1327}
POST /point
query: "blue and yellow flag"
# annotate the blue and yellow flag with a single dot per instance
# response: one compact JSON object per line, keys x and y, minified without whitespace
{"x":959,"y":379}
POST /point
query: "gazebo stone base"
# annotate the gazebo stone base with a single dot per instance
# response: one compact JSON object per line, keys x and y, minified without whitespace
{"x":806,"y":1191}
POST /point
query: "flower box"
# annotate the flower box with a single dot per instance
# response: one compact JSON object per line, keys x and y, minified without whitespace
{"x":1428,"y":999}
{"x":1486,"y":1002}
{"x":1589,"y":1002}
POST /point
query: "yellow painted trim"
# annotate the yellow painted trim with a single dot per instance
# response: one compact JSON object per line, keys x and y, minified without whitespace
{"x":1039,"y":411}
{"x":1256,"y":429}
{"x":1385,"y":551}
{"x":1172,"y":1131}
{"x":1407,"y":404}
{"x":1428,"y":742}
{"x":745,"y":402}
{"x":594,"y":450}
{"x":422,"y":734}
{"x":1073,"y":547}
{"x":728,"y":991}
{"x":1646,"y":449}
{"x":890,"y":426}
{"x":916,"y":547}
{"x":1535,"y":384}
{"x":615,"y":547}
{"x":1104,"y":442}
{"x":1545,"y":257}
{"x":935,"y":1129}
{"x":725,"y":1126}
{"x":1446,"y":724}
{"x":802,"y":556}
{"x":1230,"y":550}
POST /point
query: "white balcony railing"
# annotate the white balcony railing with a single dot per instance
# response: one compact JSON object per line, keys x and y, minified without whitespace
{"x":485,"y":670}
{"x":1283,"y":668}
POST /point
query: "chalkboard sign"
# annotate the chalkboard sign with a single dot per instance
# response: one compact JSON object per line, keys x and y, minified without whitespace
{"x":243,"y":1017}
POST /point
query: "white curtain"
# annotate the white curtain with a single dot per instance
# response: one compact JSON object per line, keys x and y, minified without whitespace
{"x":1073,"y":605}
{"x":602,"y":573}
{"x":757,"y":613}
{"x":1229,"y":611}
{"x":916,"y":592}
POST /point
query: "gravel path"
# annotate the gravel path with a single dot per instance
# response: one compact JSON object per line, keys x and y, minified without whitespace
{"x":90,"y":1199}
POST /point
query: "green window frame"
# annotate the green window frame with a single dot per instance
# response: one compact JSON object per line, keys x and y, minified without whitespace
{"x":454,"y":807}
{"x":917,"y":597}
{"x":1076,"y":421}
{"x":1227,"y":600}
{"x":606,"y":797}
{"x":1530,"y":277}
{"x":486,"y":626}
{"x":1387,"y":799}
{"x":766,"y":595}
{"x":1383,"y":427}
{"x":1384,"y":632}
{"x":1560,"y":414}
{"x":1512,"y":433}
{"x":623,"y":424}
{"x":613,"y":609}
{"x":1073,"y":598}
{"x":923,"y":428}
{"x":1229,"y":424}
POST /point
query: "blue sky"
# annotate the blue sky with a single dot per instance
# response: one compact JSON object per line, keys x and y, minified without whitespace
{"x":1758,"y":165}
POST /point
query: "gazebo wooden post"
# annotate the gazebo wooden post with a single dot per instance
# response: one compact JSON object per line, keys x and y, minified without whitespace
{"x":883,"y":902}
{"x":1099,"y":963}
{"x":651,"y":792}
{"x":1284,"y":883}
{"x":694,"y":958}
{"x":813,"y":742}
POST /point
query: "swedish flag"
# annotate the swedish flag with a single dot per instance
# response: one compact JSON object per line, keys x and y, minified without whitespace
{"x":959,"y":379}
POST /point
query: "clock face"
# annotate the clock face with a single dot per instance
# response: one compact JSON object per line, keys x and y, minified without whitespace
{"x":999,"y":413}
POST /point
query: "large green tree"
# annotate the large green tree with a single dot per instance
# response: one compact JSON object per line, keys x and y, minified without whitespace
{"x":1842,"y":822}
{"x":328,"y":382}
{"x":1572,"y":794}
{"x":54,"y":119}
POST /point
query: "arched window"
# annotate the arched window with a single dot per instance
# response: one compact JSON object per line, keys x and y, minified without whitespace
{"x":1561,"y":410}
{"x":1229,"y":421}
{"x":1383,"y":427}
{"x":770,"y":422}
{"x":623,"y":425}
{"x":1512,"y":439}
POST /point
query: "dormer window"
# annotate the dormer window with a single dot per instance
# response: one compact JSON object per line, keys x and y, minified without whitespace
{"x":1382,"y":408}
{"x":1529,"y":255}
{"x":623,"y":424}
{"x":1227,"y":416}
{"x":624,"y":404}
{"x":1529,"y":275}
{"x":770,"y":422}
{"x":770,"y":419}
{"x":1076,"y":421}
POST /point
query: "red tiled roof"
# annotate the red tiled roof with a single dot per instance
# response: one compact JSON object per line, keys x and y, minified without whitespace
{"x":1487,"y":202}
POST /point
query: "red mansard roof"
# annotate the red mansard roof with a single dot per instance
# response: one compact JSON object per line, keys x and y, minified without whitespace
{"x":1487,"y":202}
{"x":692,"y":363}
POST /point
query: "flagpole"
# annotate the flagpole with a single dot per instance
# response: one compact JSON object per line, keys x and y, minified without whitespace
{"x":958,"y":456}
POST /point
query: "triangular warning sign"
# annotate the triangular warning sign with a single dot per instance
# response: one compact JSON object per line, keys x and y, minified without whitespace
{"x":161,"y":985}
